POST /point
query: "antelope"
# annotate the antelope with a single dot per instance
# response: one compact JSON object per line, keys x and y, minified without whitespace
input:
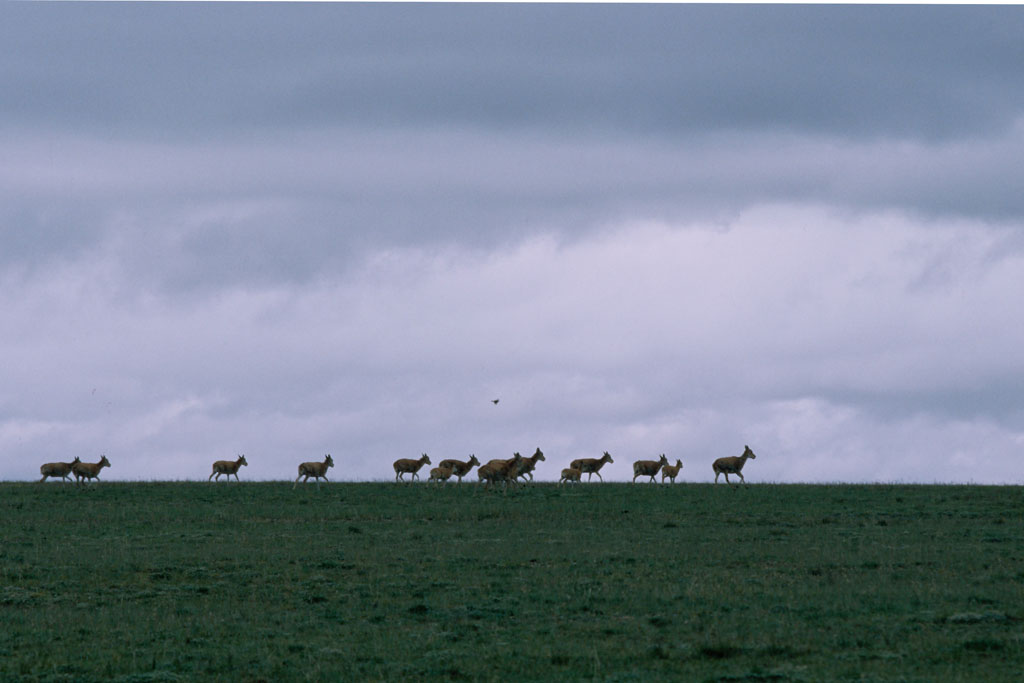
{"x":409,"y":465}
{"x":459,"y":468}
{"x":729,"y":466}
{"x":503,"y":462}
{"x":671,"y":471}
{"x":570,"y":474}
{"x":58,"y":469}
{"x":591,"y":466}
{"x":227,"y":467}
{"x":441,"y":475}
{"x":499,"y":470}
{"x":89,"y":470}
{"x":526,"y":465}
{"x":314,"y":469}
{"x":648,"y":468}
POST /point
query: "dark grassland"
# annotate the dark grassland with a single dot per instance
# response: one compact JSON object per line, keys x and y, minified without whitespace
{"x":190,"y":581}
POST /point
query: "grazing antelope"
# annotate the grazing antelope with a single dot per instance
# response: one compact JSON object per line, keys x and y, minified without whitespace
{"x":89,"y":470}
{"x":227,"y":467}
{"x":526,"y":465}
{"x":570,"y":474}
{"x":441,"y":475}
{"x":314,"y":469}
{"x":58,"y":469}
{"x":671,"y":471}
{"x":409,"y":465}
{"x":729,"y":466}
{"x":459,"y":469}
{"x":499,"y":470}
{"x":648,"y":468}
{"x":591,"y":466}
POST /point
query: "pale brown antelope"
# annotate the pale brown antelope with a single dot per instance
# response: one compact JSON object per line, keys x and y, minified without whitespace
{"x":733,"y":465}
{"x":227,"y":467}
{"x":441,"y":475}
{"x":409,"y":465}
{"x":89,"y":470}
{"x":527,"y":465}
{"x":591,"y":466}
{"x":314,"y":469}
{"x":508,"y":467}
{"x":58,"y":469}
{"x":671,"y":471}
{"x":499,"y":470}
{"x":648,"y":468}
{"x":570,"y":474}
{"x":459,"y":469}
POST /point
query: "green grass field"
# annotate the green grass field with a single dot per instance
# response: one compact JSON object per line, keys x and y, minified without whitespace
{"x":197,"y":581}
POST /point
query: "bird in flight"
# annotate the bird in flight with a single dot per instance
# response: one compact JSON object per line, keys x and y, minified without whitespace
{"x":495,"y":401}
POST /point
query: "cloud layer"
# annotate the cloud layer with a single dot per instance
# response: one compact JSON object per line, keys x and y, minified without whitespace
{"x":293,"y":230}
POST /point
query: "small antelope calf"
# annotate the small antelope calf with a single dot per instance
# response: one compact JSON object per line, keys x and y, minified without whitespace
{"x":459,"y":469}
{"x":85,"y":471}
{"x":441,"y":475}
{"x":648,"y":468}
{"x":591,"y":466}
{"x":409,"y":465}
{"x":734,"y":465}
{"x":671,"y":471}
{"x":570,"y":474}
{"x":314,"y":469}
{"x":227,"y":467}
{"x":58,"y":469}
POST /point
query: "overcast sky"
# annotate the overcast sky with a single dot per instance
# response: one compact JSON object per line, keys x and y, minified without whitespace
{"x":291,"y":230}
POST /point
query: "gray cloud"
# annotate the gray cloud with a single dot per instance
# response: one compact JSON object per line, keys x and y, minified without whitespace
{"x":223,"y":70}
{"x":296,"y":207}
{"x":290,"y":230}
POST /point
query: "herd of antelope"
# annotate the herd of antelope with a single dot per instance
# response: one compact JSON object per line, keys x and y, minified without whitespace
{"x":505,"y":472}
{"x":83,"y":471}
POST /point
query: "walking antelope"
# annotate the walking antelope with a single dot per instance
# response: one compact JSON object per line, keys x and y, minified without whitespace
{"x":58,"y":469}
{"x":591,"y":466}
{"x":671,"y":471}
{"x":89,"y":470}
{"x":526,"y":465}
{"x":227,"y":467}
{"x":409,"y":465}
{"x":648,"y":468}
{"x":314,"y":469}
{"x":734,"y":465}
{"x":459,"y":469}
{"x":570,"y":474}
{"x":499,"y":470}
{"x":441,"y":475}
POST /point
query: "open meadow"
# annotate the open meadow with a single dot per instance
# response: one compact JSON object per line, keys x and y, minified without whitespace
{"x":256,"y":581}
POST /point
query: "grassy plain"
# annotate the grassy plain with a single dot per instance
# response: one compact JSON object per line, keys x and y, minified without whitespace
{"x":255,"y":581}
